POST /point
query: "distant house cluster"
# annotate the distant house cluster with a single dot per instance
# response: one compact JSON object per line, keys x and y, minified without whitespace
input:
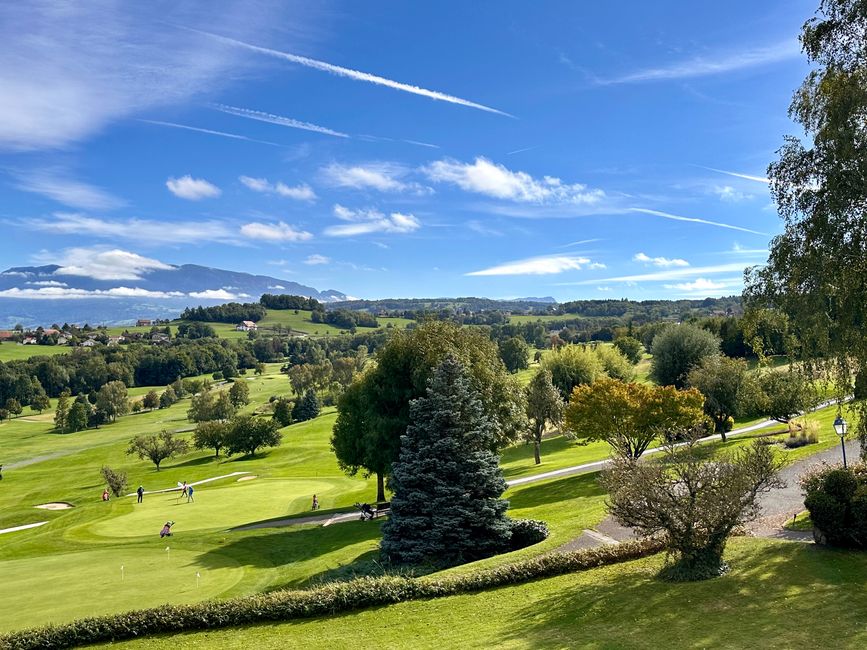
{"x":85,"y":336}
{"x":246,"y":326}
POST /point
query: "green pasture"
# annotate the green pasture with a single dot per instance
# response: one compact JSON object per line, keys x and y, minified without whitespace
{"x":17,"y":352}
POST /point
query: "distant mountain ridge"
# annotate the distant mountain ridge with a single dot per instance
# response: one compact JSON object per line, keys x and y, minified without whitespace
{"x":39,"y":295}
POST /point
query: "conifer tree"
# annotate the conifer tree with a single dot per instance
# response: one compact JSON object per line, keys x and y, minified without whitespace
{"x":307,"y":407}
{"x":447,"y":483}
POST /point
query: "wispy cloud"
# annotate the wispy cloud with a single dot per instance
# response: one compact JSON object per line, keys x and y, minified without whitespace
{"x":543,"y":265}
{"x":57,"y":186}
{"x":671,"y":274}
{"x":197,"y":129}
{"x":675,"y":217}
{"x":138,"y":230}
{"x":490,"y":179}
{"x":731,"y":195}
{"x":713,"y":65}
{"x":512,"y":153}
{"x":279,"y":120}
{"x":192,"y":189}
{"x":381,"y":176}
{"x":101,"y":263}
{"x":662,"y":262}
{"x":357,"y":75}
{"x":421,"y":144}
{"x":316,"y":260}
{"x":70,"y":69}
{"x":699,"y":284}
{"x":368,"y":221}
{"x":70,"y":293}
{"x":300,"y":192}
{"x":274,"y":232}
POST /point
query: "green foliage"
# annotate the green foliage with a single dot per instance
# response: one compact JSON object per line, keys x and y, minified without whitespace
{"x":446,"y":508}
{"x":78,"y":416}
{"x":168,"y":397}
{"x":239,"y":394}
{"x":723,"y":382}
{"x":39,"y":401}
{"x":211,"y":435}
{"x":784,"y":395}
{"x":677,"y":350}
{"x":325,"y":600}
{"x":151,"y":400}
{"x":515,"y":354}
{"x":572,"y":365}
{"x":207,"y":406}
{"x":13,"y":406}
{"x":837,"y":501}
{"x":115,"y":480}
{"x":630,"y":347}
{"x":544,"y":406}
{"x":112,"y":400}
{"x":230,"y":312}
{"x":195,"y":330}
{"x":283,"y":412}
{"x":61,"y":412}
{"x":614,"y":363}
{"x":526,"y":532}
{"x":157,"y":448}
{"x":248,"y":433}
{"x":307,"y":407}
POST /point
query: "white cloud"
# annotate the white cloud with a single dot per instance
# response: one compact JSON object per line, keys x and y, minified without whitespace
{"x":276,"y":232}
{"x":367,"y":221}
{"x":381,"y":176}
{"x":361,"y":76}
{"x":663,"y":262}
{"x":699,"y":284}
{"x":213,"y":294}
{"x":301,"y":192}
{"x":104,"y":264}
{"x":313,"y":260}
{"x":485,"y":177}
{"x":730,"y":195}
{"x":69,"y":69}
{"x":48,"y":283}
{"x":603,"y":288}
{"x":138,"y":230}
{"x":279,"y":120}
{"x":675,"y":217}
{"x":543,"y":265}
{"x":717,"y":64}
{"x":670,"y":274}
{"x":65,"y":293}
{"x":192,"y":189}
{"x":55,"y":185}
{"x":749,"y":177}
{"x":276,"y":286}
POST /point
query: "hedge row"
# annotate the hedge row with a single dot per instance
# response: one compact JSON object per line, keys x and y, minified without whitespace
{"x":328,"y":599}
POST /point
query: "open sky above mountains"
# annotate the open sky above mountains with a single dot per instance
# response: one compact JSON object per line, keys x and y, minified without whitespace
{"x":579,"y":150}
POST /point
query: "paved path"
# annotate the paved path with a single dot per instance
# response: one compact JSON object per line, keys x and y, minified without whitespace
{"x":24,"y":527}
{"x":177,"y":488}
{"x":325,"y":520}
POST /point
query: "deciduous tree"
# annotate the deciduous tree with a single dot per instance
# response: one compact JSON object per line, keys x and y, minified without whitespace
{"x":544,"y":406}
{"x":677,"y":350}
{"x":247,"y":434}
{"x":157,"y":448}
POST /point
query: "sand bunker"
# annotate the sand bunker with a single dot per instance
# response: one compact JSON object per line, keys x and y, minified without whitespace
{"x":58,"y":505}
{"x":246,"y":478}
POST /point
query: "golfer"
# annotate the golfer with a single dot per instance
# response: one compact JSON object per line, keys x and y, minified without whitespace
{"x":315,"y":503}
{"x":167,"y":529}
{"x":189,"y":493}
{"x":140,"y":493}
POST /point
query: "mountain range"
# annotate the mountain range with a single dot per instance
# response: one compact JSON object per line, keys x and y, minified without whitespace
{"x":42,"y":295}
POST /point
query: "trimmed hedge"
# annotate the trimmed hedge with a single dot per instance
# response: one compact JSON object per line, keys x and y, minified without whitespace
{"x":526,"y":532}
{"x":328,"y":599}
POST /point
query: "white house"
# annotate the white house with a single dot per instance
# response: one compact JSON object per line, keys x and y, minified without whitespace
{"x":245,"y":326}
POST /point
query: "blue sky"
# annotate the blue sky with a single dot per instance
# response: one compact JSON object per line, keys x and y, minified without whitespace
{"x":500,"y":149}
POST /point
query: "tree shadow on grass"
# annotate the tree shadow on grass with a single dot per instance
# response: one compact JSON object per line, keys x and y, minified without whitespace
{"x":554,"y":491}
{"x":193,"y":462}
{"x":292,"y":544}
{"x":775,"y":595}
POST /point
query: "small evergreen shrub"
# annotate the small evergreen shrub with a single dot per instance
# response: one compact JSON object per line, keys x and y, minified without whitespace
{"x":526,"y":532}
{"x":837,"y":501}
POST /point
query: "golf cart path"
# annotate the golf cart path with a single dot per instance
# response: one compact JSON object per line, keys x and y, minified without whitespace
{"x":177,"y":488}
{"x":777,"y":506}
{"x":24,"y":527}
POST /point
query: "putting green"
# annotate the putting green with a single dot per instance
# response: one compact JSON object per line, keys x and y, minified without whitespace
{"x":222,"y":507}
{"x":58,"y":588}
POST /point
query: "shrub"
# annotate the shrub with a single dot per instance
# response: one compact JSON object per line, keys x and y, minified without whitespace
{"x":837,"y":501}
{"x":116,"y":481}
{"x":526,"y":532}
{"x":326,"y":600}
{"x":217,"y":376}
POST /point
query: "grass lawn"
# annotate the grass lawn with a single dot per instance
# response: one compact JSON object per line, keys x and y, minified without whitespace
{"x":16,"y":352}
{"x":777,"y":595}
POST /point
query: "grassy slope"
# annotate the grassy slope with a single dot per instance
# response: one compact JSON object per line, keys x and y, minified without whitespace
{"x":777,"y":595}
{"x":15,"y":352}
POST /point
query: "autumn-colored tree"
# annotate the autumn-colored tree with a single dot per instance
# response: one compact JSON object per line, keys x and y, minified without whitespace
{"x":630,"y":416}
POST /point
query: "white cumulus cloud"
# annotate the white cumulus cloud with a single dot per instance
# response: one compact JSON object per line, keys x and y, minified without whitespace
{"x":192,"y":189}
{"x":380,"y":176}
{"x":104,"y":264}
{"x":543,"y":265}
{"x":662,"y":262}
{"x":300,"y":192}
{"x":483,"y":176}
{"x":367,"y":221}
{"x":275,"y":232}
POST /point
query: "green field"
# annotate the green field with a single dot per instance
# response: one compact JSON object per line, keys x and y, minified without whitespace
{"x":777,"y":595}
{"x":16,"y":352}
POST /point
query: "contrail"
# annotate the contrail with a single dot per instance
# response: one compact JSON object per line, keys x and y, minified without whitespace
{"x":209,"y":131}
{"x":666,"y":215}
{"x":276,"y":119}
{"x":757,"y":179}
{"x":357,"y":75}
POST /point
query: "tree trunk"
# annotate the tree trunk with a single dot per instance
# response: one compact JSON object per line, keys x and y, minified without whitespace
{"x":536,"y":451}
{"x":380,"y":487}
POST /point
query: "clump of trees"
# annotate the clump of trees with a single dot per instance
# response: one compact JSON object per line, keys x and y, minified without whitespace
{"x":630,"y":347}
{"x":344,"y":318}
{"x":230,"y":312}
{"x":285,"y":301}
{"x":307,"y":407}
{"x":692,"y":501}
{"x":630,"y":416}
{"x":515,"y":353}
{"x":677,"y":349}
{"x":447,"y":483}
